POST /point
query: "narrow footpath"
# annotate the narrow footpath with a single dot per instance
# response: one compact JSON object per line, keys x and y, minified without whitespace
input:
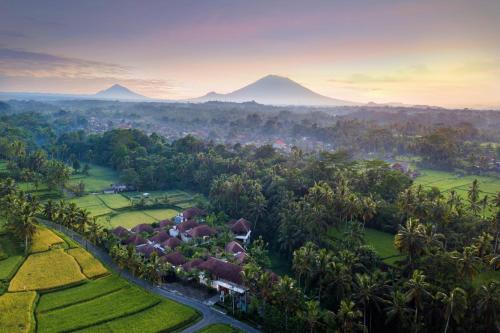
{"x":209,"y":314}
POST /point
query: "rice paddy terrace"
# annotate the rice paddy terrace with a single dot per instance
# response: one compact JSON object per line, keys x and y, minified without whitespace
{"x":60,"y":287}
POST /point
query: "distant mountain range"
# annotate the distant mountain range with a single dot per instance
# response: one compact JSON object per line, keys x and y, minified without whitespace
{"x":274,"y":90}
{"x":118,"y":92}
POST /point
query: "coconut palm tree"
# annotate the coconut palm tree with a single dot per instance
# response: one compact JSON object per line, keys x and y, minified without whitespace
{"x":455,"y":305}
{"x":287,"y":296}
{"x":467,"y":261}
{"x":398,"y":310}
{"x":417,"y":290}
{"x":311,"y":314}
{"x":348,"y":317}
{"x":473,"y":197}
{"x":410,"y":240}
{"x":367,"y":292}
{"x":487,"y":305}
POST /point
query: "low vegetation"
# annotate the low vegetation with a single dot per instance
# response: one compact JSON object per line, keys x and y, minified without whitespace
{"x":47,"y":270}
{"x":16,"y":312}
{"x":219,"y":328}
{"x":91,"y":267}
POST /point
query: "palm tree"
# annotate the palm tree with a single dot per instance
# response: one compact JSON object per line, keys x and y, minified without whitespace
{"x":398,"y":310}
{"x":93,"y":230}
{"x":473,"y":196}
{"x":348,"y":317}
{"x":488,"y":303}
{"x":49,"y":210}
{"x":431,"y":238}
{"x":410,"y":240}
{"x":311,"y":314}
{"x":468,"y":262}
{"x":287,"y":296}
{"x":455,"y":305}
{"x":417,"y":291}
{"x":304,"y":262}
{"x":367,"y":292}
{"x":368,"y":209}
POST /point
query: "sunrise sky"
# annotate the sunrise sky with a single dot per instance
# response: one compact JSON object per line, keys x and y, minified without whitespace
{"x":438,"y":52}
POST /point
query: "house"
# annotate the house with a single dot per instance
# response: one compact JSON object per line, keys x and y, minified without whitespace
{"x":401,"y":167}
{"x":159,"y":237}
{"x":146,"y":250}
{"x":241,"y":230}
{"x":120,"y":232}
{"x":225,"y":277}
{"x":279,"y":144}
{"x":238,"y":252}
{"x":193,"y":264}
{"x":135,"y":240}
{"x":200,"y":231}
{"x":165,"y":223}
{"x":144,"y":227}
{"x":171,"y":243}
{"x":192,"y":213}
{"x":174,"y":258}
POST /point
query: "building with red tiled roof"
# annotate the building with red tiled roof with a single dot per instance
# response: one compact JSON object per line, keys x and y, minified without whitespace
{"x":193,"y":212}
{"x":171,"y":243}
{"x":234,"y":247}
{"x":222,"y":270}
{"x":144,"y":227}
{"x":120,"y":232}
{"x":147,"y":250}
{"x":241,"y":229}
{"x":135,"y":240}
{"x":159,"y":237}
{"x":187,"y":225}
{"x":200,"y":231}
{"x":175,"y":258}
{"x":193,"y":264}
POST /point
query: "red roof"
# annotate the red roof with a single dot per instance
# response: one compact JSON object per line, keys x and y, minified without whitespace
{"x":135,"y":240}
{"x":201,"y":231}
{"x":175,"y":258}
{"x":165,"y":223}
{"x":185,"y":226}
{"x":192,"y":264}
{"x":160,"y":237}
{"x":241,"y":226}
{"x":223,"y":270}
{"x":279,"y":142}
{"x":172,"y":243}
{"x":234,"y":247}
{"x":147,"y":250}
{"x":144,"y":227}
{"x":121,"y":232}
{"x":193,"y":212}
{"x":241,"y":258}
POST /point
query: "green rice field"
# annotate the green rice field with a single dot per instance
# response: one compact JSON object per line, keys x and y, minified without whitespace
{"x":219,"y":328}
{"x":98,"y":179}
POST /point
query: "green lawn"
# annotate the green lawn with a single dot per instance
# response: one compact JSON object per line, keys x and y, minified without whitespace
{"x":160,"y":214}
{"x":93,"y":204}
{"x":126,"y":219}
{"x":87,"y":291}
{"x":382,"y":243}
{"x":98,"y":179}
{"x":219,"y":328}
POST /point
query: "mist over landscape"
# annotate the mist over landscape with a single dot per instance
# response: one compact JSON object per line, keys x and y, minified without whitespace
{"x":249,"y":166}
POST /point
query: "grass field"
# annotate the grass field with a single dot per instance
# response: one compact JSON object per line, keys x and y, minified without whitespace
{"x":446,"y":181}
{"x":166,"y":316}
{"x":382,"y":243}
{"x":91,"y":267}
{"x":16,"y":312}
{"x":114,"y":201}
{"x":98,"y":179}
{"x":93,"y":204}
{"x":84,"y":292}
{"x":44,"y":239}
{"x":126,"y":301}
{"x":219,"y":328}
{"x":46,"y":270}
{"x":14,"y":257}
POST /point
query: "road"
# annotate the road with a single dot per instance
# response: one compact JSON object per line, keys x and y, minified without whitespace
{"x":210,"y":315}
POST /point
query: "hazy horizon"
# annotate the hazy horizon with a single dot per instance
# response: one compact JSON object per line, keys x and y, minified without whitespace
{"x":443,"y":53}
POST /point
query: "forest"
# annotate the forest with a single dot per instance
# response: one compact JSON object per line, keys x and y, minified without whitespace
{"x":296,"y":202}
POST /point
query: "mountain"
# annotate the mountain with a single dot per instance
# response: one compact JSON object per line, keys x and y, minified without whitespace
{"x":117,"y":91}
{"x":274,"y":90}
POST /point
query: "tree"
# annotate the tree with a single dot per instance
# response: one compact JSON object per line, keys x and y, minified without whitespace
{"x":473,"y":196}
{"x":311,"y":314}
{"x":397,"y":309}
{"x":487,"y":305}
{"x":455,"y":305}
{"x":287,"y":296}
{"x":410,"y":240}
{"x":417,"y":290}
{"x":259,"y":253}
{"x":348,"y":317}
{"x":468,"y":262}
{"x":367,"y":292}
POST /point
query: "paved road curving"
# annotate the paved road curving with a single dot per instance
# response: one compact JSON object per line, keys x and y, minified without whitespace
{"x":210,"y":315}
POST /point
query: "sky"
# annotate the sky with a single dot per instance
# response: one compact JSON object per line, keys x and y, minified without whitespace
{"x":434,"y":52}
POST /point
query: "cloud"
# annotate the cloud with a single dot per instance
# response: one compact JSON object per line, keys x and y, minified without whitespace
{"x":21,"y":63}
{"x":12,"y":34}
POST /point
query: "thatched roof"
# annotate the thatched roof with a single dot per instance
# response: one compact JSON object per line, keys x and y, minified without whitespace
{"x":234,"y":247}
{"x":193,"y":212}
{"x":223,"y":270}
{"x":172,"y":242}
{"x":175,"y":258}
{"x":144,"y":227}
{"x":201,"y":231}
